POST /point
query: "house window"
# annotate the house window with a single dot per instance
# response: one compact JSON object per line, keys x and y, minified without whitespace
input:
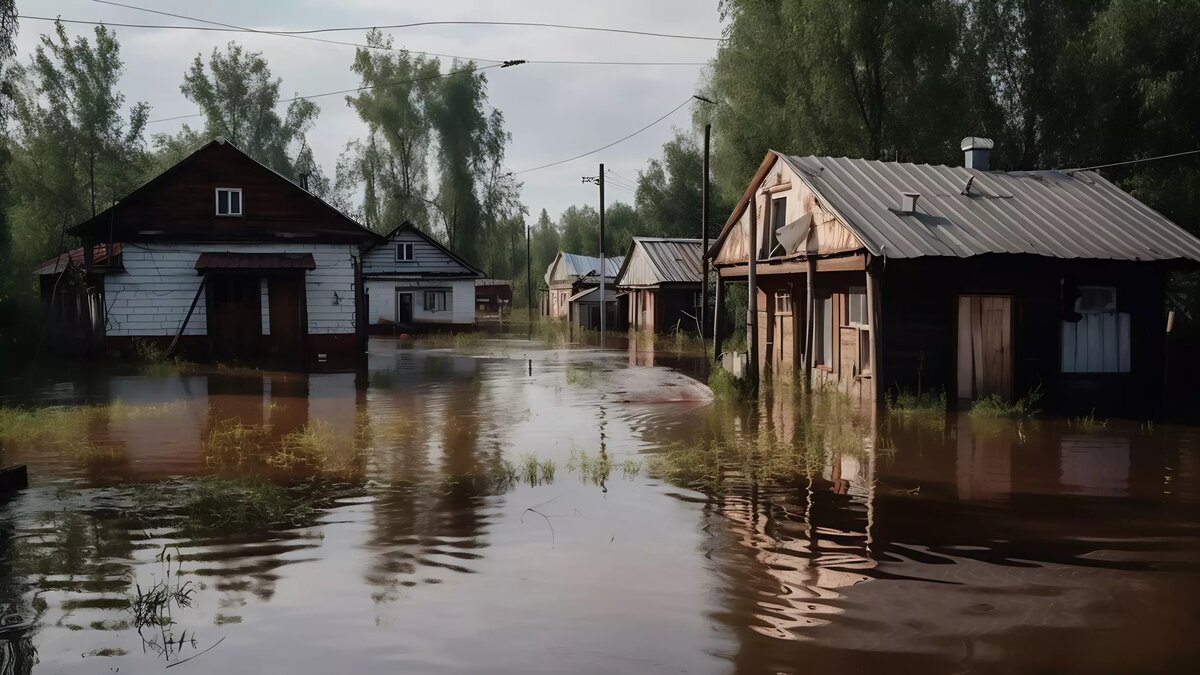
{"x":783,"y":302}
{"x":778,"y":221}
{"x":435,"y":301}
{"x":823,"y":325}
{"x":1099,"y":342}
{"x":404,"y":252}
{"x":229,"y":201}
{"x":858,"y":317}
{"x":697,"y":299}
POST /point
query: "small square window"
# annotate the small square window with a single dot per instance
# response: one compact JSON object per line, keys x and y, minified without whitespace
{"x":229,"y":201}
{"x":404,"y":252}
{"x":856,"y":307}
{"x":435,"y":301}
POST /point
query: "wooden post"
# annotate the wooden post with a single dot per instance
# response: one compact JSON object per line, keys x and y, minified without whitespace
{"x":810,"y":326}
{"x":752,"y":292}
{"x":873,"y":325}
{"x":188,"y":316}
{"x":603,"y":262}
{"x":704,"y":236}
{"x":716,"y":317}
{"x":528,"y":278}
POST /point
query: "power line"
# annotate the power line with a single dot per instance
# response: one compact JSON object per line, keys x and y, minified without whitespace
{"x":605,"y":147}
{"x":359,"y":45}
{"x":1134,"y":161}
{"x":349,"y":91}
{"x":613,"y":179}
{"x":627,"y":180}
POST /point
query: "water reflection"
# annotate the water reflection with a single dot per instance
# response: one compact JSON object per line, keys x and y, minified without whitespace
{"x":792,"y":535}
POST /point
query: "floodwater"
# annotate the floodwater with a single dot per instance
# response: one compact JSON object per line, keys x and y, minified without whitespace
{"x":675,"y":534}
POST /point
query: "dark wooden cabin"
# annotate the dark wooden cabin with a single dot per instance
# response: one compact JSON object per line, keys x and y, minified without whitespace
{"x":956,"y":279}
{"x":227,"y":260}
{"x":661,"y":282}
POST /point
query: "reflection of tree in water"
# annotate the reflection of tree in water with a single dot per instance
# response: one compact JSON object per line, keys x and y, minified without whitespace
{"x":428,"y":449}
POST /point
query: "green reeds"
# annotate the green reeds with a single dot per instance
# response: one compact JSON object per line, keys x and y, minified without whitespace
{"x":994,"y":406}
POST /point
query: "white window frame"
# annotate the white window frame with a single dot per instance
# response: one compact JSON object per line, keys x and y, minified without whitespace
{"x":851,"y":292}
{"x":406,"y":246}
{"x":217,"y":202}
{"x":434,"y":293}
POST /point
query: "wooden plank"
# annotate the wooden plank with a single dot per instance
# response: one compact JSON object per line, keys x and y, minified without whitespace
{"x":1006,"y":347}
{"x":978,"y":356}
{"x":1068,"y":346}
{"x":966,"y":370}
{"x":1123,"y":349}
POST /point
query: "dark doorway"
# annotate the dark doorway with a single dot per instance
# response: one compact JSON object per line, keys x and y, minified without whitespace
{"x":234,"y":316}
{"x":404,"y":308}
{"x":286,"y":297}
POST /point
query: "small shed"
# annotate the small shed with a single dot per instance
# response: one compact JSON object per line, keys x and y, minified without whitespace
{"x":491,"y":295}
{"x":661,"y":279}
{"x":570,"y":273}
{"x":876,"y":277}
{"x":585,"y":308}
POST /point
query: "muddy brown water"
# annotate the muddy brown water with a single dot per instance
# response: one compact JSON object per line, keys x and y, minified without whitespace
{"x":907,"y":545}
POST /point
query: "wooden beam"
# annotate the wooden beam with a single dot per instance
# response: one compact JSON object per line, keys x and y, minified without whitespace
{"x":851,"y":263}
{"x":752,"y":292}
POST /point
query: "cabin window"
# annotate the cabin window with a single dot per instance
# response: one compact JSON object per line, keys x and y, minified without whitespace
{"x":783,"y":302}
{"x":858,"y":317}
{"x":697,"y":299}
{"x":778,"y":221}
{"x":823,"y":325}
{"x":229,"y":201}
{"x":435,"y":301}
{"x":404,"y":252}
{"x":1099,"y":341}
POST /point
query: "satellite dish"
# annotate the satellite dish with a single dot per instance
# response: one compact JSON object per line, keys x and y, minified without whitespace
{"x":791,"y":235}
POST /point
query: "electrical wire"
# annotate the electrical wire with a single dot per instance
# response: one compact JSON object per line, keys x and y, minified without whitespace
{"x":348,"y":91}
{"x":621,"y":177}
{"x":610,"y":179}
{"x":605,"y":147}
{"x":1134,"y":161}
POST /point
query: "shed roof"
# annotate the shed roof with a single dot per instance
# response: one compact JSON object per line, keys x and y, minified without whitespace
{"x":964,"y":212}
{"x":592,"y":294}
{"x":655,"y":260}
{"x":574,"y":265}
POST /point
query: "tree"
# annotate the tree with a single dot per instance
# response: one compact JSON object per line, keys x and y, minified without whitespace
{"x":579,"y":227}
{"x":75,"y":151}
{"x":391,"y":164}
{"x":239,"y":98}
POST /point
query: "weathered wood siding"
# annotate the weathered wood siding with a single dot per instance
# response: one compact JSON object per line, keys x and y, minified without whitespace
{"x":460,"y":300}
{"x":151,"y":297}
{"x":428,"y":259}
{"x":829,"y":234}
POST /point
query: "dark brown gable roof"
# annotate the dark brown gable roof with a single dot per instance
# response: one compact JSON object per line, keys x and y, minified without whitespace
{"x":180,"y":205}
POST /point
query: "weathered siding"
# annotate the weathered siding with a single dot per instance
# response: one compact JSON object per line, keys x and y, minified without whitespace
{"x":428,"y":259}
{"x":460,"y":302}
{"x":151,"y":297}
{"x":829,"y":234}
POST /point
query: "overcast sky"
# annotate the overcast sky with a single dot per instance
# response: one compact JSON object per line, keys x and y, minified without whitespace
{"x":553,"y":111}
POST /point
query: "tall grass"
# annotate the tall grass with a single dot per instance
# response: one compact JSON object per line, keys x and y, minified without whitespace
{"x":994,"y":406}
{"x":676,"y":341}
{"x":245,"y":503}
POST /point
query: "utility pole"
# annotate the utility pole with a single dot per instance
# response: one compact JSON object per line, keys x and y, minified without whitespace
{"x":704,"y":238}
{"x":528,"y":277}
{"x":603,"y":262}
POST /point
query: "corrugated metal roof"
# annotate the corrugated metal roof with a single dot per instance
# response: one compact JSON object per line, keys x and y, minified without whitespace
{"x":667,"y":261}
{"x":75,"y":256}
{"x":610,"y":295}
{"x":256,"y":261}
{"x":579,"y":266}
{"x":1048,"y":213}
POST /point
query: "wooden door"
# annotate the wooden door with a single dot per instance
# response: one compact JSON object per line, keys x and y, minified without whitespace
{"x":234,"y":316}
{"x":404,"y":308}
{"x":985,"y":349}
{"x":285,"y":297}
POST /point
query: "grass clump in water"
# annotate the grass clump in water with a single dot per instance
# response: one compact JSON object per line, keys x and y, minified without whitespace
{"x":68,"y":425}
{"x":463,"y":342}
{"x":245,"y":503}
{"x":534,"y":471}
{"x":154,"y":360}
{"x":1088,"y":423}
{"x":994,"y":406}
{"x":676,"y":340}
{"x":230,"y":443}
{"x":317,"y":446}
{"x":923,"y":403}
{"x":582,"y":374}
{"x":726,"y":387}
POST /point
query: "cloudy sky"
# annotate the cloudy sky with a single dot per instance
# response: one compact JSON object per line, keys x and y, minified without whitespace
{"x":554,"y":111}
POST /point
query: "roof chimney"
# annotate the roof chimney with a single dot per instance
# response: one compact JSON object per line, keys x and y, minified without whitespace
{"x":978,"y":152}
{"x":908,"y":202}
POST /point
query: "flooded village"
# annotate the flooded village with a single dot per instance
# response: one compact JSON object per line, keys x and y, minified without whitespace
{"x":838,"y":405}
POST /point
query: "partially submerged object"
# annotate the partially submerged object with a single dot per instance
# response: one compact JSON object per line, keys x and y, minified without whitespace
{"x":14,"y":626}
{"x":13,"y":478}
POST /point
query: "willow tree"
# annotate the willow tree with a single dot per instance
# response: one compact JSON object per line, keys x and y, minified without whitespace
{"x":239,"y":98}
{"x":75,"y":147}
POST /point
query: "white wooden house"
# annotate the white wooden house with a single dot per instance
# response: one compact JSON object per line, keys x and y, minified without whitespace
{"x":225,"y":259}
{"x":413,"y":281}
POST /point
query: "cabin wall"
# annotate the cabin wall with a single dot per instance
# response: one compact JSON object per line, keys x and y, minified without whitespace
{"x":460,"y":301}
{"x":427,"y":258}
{"x":152,"y":295}
{"x":558,"y":295}
{"x":920,"y":326}
{"x":829,"y":235}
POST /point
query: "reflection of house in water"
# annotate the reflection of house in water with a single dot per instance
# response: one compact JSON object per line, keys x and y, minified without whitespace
{"x":984,"y":466}
{"x":1093,"y":465}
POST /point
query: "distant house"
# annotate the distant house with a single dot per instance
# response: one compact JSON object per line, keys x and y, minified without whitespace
{"x":226,"y":259}
{"x":492,"y":294}
{"x":568,"y":275}
{"x":956,"y":279}
{"x":413,"y":281}
{"x":661,"y":282}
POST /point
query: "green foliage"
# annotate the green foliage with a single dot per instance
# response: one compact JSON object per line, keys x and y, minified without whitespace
{"x":239,"y":98}
{"x":726,"y":387}
{"x":247,"y":503}
{"x":1089,"y":423}
{"x":994,"y":406}
{"x":904,"y":402}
